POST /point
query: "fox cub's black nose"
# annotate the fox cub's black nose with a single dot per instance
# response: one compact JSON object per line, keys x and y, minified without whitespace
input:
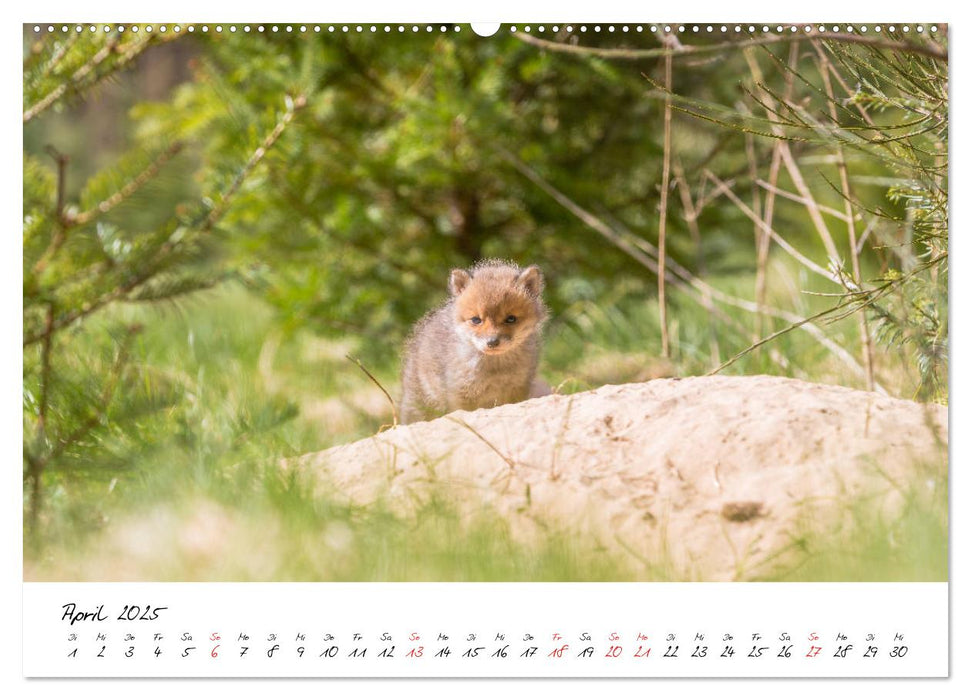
{"x":493,"y":342}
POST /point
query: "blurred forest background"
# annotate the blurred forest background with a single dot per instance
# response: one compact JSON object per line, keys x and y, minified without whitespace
{"x":214,"y":220}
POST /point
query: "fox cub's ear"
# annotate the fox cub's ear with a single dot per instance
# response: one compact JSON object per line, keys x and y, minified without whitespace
{"x":457,"y":281}
{"x":532,"y":280}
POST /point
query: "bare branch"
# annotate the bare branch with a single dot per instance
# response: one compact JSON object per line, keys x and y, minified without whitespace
{"x":785,"y":152}
{"x":865,"y":340}
{"x":662,"y":224}
{"x":783,"y":243}
{"x":642,"y":251}
{"x":932,"y":51}
{"x":60,"y":225}
{"x":691,"y":219}
{"x":792,"y":197}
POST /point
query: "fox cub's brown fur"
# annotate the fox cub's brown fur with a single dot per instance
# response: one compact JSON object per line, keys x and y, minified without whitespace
{"x":481,"y":348}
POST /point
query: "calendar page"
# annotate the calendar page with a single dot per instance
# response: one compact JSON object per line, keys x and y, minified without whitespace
{"x":515,"y":350}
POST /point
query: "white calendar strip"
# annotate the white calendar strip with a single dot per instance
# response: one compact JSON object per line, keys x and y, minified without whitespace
{"x":486,"y":630}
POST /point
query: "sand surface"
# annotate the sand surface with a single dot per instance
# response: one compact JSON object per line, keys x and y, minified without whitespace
{"x":709,"y":478}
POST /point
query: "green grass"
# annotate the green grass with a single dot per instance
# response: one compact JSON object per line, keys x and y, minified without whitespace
{"x":857,"y":540}
{"x":200,"y":494}
{"x":208,"y":500}
{"x":268,"y":529}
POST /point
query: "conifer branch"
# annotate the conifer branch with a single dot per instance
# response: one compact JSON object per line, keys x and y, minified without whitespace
{"x":45,"y":375}
{"x":60,"y":52}
{"x":125,"y":52}
{"x":67,"y":221}
{"x":107,"y":396}
{"x":851,"y":303}
{"x":35,"y":466}
{"x":293,"y":106}
{"x":129,"y":188}
{"x":89,"y":308}
{"x":60,"y":226}
{"x":154,"y":265}
{"x":72,"y":84}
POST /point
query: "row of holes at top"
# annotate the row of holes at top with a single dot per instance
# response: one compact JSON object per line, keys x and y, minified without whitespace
{"x":807,"y":28}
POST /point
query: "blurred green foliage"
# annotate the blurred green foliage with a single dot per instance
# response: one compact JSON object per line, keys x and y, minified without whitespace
{"x":204,"y":243}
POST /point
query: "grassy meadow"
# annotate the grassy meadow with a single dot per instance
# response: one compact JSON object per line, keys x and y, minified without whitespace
{"x":208,"y":501}
{"x":213,"y":226}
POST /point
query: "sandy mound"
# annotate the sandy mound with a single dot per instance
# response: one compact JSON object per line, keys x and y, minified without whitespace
{"x":704,"y":478}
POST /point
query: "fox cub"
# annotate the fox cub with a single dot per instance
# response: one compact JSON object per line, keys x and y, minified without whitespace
{"x":481,"y":348}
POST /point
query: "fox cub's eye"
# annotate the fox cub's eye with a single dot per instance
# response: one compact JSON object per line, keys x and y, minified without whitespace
{"x":510,"y":319}
{"x":475,"y":320}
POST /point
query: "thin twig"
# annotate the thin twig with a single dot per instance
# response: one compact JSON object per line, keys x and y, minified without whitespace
{"x":394,"y":409}
{"x":662,"y":224}
{"x":459,"y":421}
{"x":685,"y":50}
{"x":870,"y":226}
{"x":770,"y":338}
{"x":692,"y":283}
{"x":849,"y":93}
{"x":792,"y":197}
{"x":35,"y":466}
{"x":853,"y":302}
{"x":624,"y":243}
{"x":810,"y":202}
{"x":785,"y":152}
{"x":765,"y":240}
{"x":865,"y":340}
{"x":760,"y":235}
{"x":45,"y":374}
{"x":691,"y":220}
{"x":62,"y":160}
{"x":783,"y":243}
{"x":60,"y":224}
{"x":641,"y":251}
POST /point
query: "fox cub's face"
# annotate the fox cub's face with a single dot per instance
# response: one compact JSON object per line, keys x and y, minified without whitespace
{"x":498,"y":306}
